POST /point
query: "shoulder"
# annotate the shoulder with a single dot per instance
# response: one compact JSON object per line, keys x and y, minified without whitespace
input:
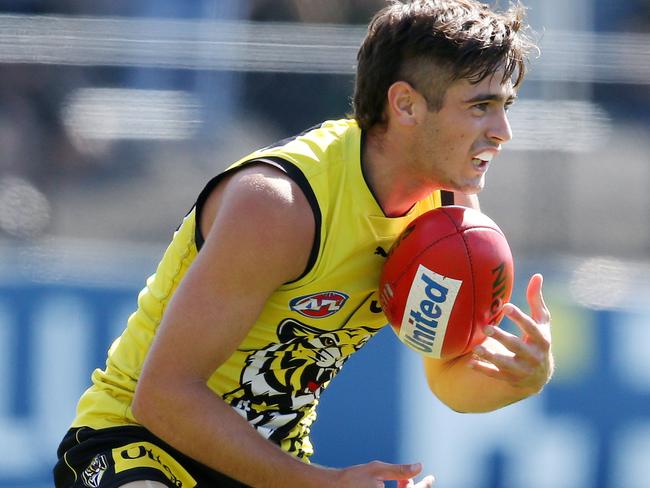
{"x":257,"y":191}
{"x":261,"y":182}
{"x":260,"y":207}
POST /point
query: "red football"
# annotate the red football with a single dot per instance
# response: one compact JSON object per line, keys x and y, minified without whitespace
{"x":445,"y":278}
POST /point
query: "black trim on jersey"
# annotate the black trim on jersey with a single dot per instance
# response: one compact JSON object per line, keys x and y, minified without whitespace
{"x":293,"y":172}
{"x":299,"y":178}
{"x":446,"y":198}
{"x":200,"y":201}
{"x":287,"y":140}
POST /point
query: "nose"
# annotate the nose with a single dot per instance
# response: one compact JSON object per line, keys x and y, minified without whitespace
{"x":500,"y":130}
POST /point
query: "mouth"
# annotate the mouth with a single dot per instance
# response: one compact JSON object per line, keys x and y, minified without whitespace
{"x":482,"y":160}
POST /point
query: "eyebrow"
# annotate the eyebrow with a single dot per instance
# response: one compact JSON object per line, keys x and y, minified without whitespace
{"x":489,"y":97}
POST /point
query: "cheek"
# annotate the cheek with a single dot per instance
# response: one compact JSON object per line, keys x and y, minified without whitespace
{"x":465,"y":144}
{"x":456,"y":139}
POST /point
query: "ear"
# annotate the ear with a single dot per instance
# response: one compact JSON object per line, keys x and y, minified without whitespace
{"x":404,"y":103}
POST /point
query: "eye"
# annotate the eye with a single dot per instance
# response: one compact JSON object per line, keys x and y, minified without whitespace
{"x":481,"y":107}
{"x":328,"y":342}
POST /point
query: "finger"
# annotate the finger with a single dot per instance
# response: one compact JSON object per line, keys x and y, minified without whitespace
{"x":535,"y":297}
{"x":486,"y":368}
{"x":510,"y":341}
{"x":526,"y":323}
{"x":492,"y":371}
{"x":387,"y":471}
{"x":498,"y":365}
{"x":426,"y":482}
{"x":405,"y":483}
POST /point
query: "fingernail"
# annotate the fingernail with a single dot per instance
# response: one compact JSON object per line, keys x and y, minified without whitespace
{"x":416,"y":466}
{"x":489,"y":330}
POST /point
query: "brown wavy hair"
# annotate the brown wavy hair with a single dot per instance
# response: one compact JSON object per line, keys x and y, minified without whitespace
{"x":432,"y":43}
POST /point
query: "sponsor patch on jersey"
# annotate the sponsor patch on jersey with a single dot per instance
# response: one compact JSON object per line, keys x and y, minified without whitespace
{"x":319,"y":305}
{"x":428,"y":308}
{"x":147,"y":455}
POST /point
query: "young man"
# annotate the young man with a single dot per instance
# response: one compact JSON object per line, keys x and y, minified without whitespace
{"x":269,"y":284}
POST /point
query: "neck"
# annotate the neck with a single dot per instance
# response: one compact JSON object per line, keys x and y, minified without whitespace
{"x":385,"y":161}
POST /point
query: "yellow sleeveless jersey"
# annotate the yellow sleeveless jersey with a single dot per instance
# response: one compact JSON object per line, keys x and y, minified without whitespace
{"x":308,"y":328}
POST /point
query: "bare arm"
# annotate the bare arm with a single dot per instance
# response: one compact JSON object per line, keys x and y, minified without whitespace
{"x":505,"y":368}
{"x":259,"y":231}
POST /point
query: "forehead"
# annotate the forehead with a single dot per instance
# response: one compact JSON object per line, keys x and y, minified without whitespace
{"x":491,"y":86}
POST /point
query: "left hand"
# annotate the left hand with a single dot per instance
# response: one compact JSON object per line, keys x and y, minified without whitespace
{"x":426,"y":482}
{"x":524,"y":362}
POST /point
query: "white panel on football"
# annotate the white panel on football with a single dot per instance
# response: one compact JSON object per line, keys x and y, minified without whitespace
{"x":438,"y":291}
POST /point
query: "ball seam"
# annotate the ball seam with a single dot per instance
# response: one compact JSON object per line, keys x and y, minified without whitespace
{"x":471,"y":270}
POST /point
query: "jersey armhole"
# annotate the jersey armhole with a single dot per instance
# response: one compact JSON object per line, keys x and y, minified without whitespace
{"x":293,"y":172}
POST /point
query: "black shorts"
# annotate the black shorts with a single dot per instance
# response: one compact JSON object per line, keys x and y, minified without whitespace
{"x":108,"y":458}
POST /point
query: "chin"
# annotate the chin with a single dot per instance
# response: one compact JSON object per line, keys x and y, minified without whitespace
{"x":474,"y":187}
{"x":470,"y":188}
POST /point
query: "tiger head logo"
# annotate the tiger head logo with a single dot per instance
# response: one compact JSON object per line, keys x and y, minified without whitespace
{"x":93,"y":474}
{"x":280,"y":383}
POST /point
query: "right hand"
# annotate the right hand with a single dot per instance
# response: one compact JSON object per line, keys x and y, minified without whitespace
{"x":373,"y":475}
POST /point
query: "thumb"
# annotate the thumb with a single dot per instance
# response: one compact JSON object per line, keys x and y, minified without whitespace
{"x":538,"y":308}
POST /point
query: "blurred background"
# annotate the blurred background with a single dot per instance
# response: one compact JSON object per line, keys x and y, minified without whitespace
{"x":114,"y":114}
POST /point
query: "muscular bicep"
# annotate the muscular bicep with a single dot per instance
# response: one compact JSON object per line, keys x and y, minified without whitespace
{"x":259,"y":229}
